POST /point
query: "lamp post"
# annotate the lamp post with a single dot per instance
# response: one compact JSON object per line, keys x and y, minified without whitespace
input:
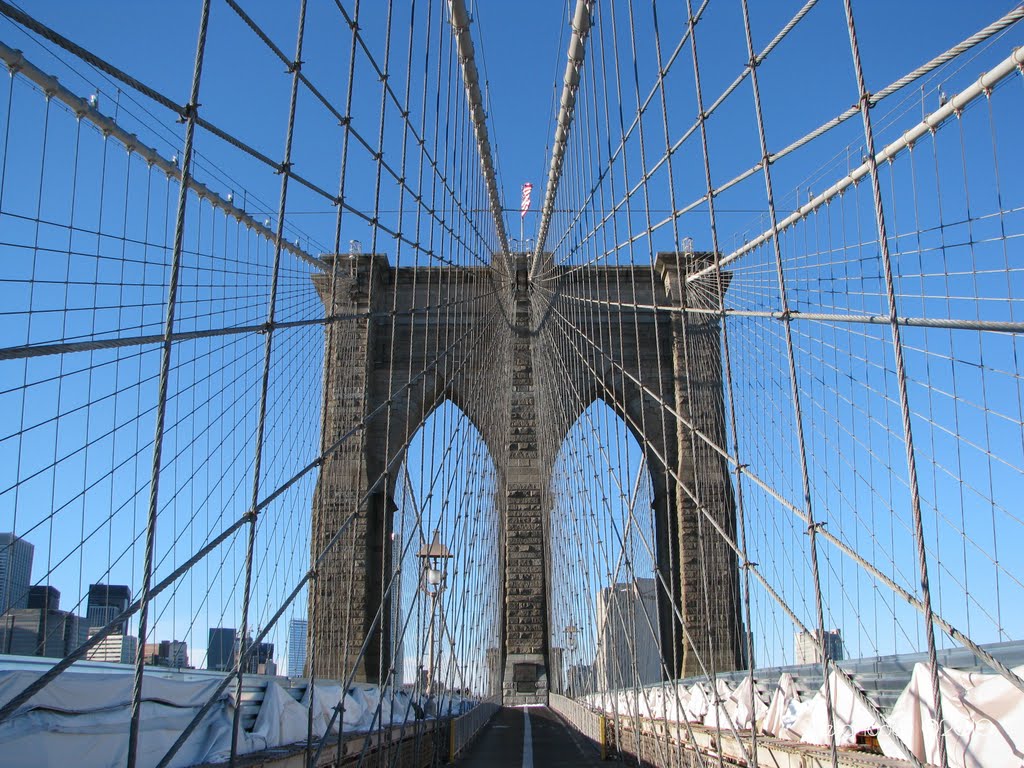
{"x":432,"y":583}
{"x":570,"y":645}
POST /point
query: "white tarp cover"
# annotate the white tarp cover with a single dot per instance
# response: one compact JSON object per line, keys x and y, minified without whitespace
{"x":699,"y":701}
{"x":281,"y":720}
{"x":850,"y":716}
{"x":325,"y":699}
{"x":662,"y":702}
{"x":676,"y":701}
{"x":782,"y":701}
{"x":82,"y":719}
{"x":984,"y":717}
{"x":743,"y":717}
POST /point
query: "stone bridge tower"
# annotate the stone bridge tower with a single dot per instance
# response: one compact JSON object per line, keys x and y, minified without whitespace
{"x":387,"y":368}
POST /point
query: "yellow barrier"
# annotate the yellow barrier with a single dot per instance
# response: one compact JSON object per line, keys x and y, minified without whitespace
{"x":603,"y":731}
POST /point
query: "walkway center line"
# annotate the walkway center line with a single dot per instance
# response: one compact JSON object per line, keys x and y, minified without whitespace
{"x":527,"y":740}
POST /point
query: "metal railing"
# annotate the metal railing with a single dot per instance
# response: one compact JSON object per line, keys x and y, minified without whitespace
{"x":593,"y":725}
{"x":464,"y":728}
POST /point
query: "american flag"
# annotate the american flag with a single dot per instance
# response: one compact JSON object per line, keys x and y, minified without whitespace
{"x":525,"y":205}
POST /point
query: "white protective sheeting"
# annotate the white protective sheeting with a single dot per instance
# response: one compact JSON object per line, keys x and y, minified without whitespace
{"x":676,"y":701}
{"x":983,"y":713}
{"x":664,"y":702}
{"x":782,"y":700}
{"x":325,"y":700}
{"x":83,"y":720}
{"x":849,"y":714}
{"x":698,"y":704}
{"x":984,"y":717}
{"x":281,"y":720}
{"x":735,"y":710}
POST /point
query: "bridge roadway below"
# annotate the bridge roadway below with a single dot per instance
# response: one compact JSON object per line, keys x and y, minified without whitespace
{"x":528,"y":737}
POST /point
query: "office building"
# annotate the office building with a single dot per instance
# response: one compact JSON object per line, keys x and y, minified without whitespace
{"x":492,"y":662}
{"x":40,"y":632}
{"x":45,"y":598}
{"x":297,"y":629}
{"x":15,"y":571}
{"x":807,"y":650}
{"x":117,"y":649}
{"x":220,"y":650}
{"x":396,"y":624}
{"x":167,"y":653}
{"x":627,"y":635}
{"x":580,"y":679}
{"x":258,"y":659}
{"x":106,"y":602}
{"x":556,"y":678}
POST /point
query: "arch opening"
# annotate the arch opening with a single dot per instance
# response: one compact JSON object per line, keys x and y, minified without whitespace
{"x":445,"y":603}
{"x":606,"y":594}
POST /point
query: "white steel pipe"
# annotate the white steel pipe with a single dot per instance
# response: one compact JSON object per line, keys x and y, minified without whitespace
{"x":581,"y":25}
{"x":471,"y":78}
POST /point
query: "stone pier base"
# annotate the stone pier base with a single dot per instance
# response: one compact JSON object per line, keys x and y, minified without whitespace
{"x":525,"y":680}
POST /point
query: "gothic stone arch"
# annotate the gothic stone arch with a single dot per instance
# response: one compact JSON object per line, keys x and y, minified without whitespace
{"x":395,"y":368}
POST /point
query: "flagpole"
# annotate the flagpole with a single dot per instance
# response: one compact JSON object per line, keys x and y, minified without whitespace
{"x":524,"y":206}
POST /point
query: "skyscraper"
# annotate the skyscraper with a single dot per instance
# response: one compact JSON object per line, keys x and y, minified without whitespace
{"x":106,"y":602}
{"x":167,"y":653}
{"x":297,"y":647}
{"x":220,"y":650}
{"x":117,"y":649}
{"x":807,"y":650}
{"x":15,"y":571}
{"x":46,"y":598}
{"x":627,"y":635}
{"x":40,"y":632}
{"x":258,"y":659}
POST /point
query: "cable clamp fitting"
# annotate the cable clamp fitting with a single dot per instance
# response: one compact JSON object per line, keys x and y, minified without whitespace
{"x":815,"y":527}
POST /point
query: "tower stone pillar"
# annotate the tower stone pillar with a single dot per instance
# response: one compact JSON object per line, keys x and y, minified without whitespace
{"x":708,"y":567}
{"x":525,"y":678}
{"x":345,"y":594}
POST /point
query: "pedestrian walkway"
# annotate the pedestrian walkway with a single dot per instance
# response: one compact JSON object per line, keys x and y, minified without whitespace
{"x":529,"y":737}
